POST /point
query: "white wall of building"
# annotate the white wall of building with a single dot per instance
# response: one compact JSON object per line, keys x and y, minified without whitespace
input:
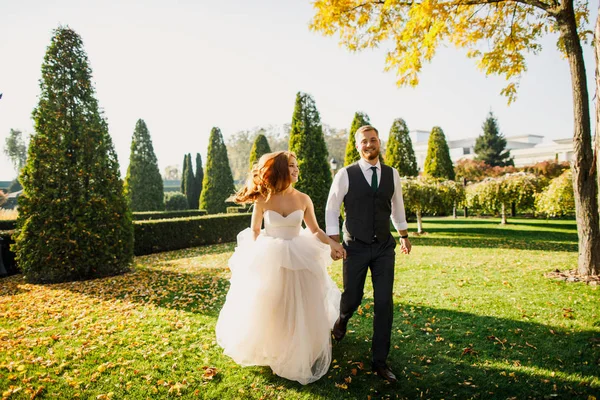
{"x":525,"y":149}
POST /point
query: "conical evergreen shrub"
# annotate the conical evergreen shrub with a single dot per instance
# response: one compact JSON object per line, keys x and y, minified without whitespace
{"x":73,"y":221}
{"x":217,"y":185}
{"x":143,"y":182}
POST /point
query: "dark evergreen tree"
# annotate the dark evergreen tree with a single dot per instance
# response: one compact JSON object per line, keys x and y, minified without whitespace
{"x":260,"y":147}
{"x":438,"y":163}
{"x":175,"y":201}
{"x":188,"y":180}
{"x":198,"y":178}
{"x":400,"y":153}
{"x":490,"y":147}
{"x":360,"y":119}
{"x":217,"y":185}
{"x":308,"y":142}
{"x":184,"y":173}
{"x":74,"y":222}
{"x":143,"y":182}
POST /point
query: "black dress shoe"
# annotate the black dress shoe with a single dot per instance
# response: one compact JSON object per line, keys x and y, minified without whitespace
{"x":339,"y":329}
{"x":385,"y":373}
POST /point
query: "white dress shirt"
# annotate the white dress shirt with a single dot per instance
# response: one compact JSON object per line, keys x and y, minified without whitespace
{"x":339,"y":189}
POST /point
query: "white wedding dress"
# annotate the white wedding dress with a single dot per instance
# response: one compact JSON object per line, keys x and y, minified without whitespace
{"x":281,"y":304}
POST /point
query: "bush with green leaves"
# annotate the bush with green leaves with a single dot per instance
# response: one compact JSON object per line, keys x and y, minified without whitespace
{"x":175,"y":201}
{"x":143,"y":182}
{"x":74,"y":222}
{"x":421,"y":196}
{"x":259,"y":147}
{"x":399,"y":152}
{"x":438,"y":163}
{"x":498,"y":195}
{"x":557,"y":199}
{"x":452,"y":195}
{"x":180,"y":233}
{"x":154,"y":215}
{"x":308,"y":142}
{"x":218,"y":184}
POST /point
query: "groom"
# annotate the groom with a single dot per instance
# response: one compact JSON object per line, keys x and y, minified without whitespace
{"x":371,"y":193}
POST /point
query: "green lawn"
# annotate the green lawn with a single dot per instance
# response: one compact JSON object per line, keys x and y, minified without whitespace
{"x":474,"y":318}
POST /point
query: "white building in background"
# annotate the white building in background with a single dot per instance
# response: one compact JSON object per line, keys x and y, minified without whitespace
{"x":525,"y":149}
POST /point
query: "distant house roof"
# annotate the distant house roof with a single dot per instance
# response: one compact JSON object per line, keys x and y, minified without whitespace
{"x":14,"y":195}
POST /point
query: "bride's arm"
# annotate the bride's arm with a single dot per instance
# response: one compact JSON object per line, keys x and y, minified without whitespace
{"x":311,"y":223}
{"x":257,"y":217}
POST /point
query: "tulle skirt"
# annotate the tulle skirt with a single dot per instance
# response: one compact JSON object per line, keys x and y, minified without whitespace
{"x":281,"y":306}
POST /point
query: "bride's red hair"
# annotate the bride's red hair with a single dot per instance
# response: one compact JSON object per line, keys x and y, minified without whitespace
{"x":269,"y":176}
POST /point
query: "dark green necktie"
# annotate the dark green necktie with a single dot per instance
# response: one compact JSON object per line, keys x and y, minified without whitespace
{"x":374,"y":178}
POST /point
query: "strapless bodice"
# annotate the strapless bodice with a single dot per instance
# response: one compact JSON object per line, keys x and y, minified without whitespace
{"x":288,"y":227}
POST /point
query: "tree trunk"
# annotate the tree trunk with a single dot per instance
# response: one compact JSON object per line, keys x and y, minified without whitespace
{"x":585,"y":186}
{"x":597,"y":51}
{"x":503,"y":215}
{"x":513,"y":209}
{"x":454,"y":211}
{"x":419,"y":222}
{"x":466,"y":212}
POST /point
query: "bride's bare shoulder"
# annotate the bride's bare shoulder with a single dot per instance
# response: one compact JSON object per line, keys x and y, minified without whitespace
{"x":303,"y":196}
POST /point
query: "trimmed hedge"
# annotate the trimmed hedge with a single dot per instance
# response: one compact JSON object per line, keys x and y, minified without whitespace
{"x":8,"y":224}
{"x":155,"y":215}
{"x":179,"y":233}
{"x":6,"y":255}
{"x":173,"y":234}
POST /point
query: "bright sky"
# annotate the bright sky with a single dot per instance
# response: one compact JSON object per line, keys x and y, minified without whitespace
{"x":186,"y":66}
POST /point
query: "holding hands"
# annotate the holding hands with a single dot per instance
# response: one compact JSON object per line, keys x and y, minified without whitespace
{"x":337,"y":250}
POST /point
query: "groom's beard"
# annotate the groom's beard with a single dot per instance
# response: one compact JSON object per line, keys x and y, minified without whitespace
{"x":371,"y":155}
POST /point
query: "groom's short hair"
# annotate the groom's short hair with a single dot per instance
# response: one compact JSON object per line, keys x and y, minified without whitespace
{"x":364,"y":128}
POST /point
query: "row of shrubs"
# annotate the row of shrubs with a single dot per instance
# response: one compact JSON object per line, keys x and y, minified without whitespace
{"x":180,"y":233}
{"x":154,"y":236}
{"x":154,"y":215}
{"x":10,"y":224}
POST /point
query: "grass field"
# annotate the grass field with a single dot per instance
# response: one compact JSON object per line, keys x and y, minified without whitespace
{"x":475,"y":317}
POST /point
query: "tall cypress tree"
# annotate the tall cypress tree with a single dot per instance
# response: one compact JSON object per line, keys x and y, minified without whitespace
{"x":308,"y":142}
{"x":198,"y":178}
{"x":189,"y":183}
{"x":143,"y":182}
{"x":73,"y":221}
{"x":490,"y":147}
{"x":400,"y":153}
{"x":259,"y":147}
{"x":184,"y":173}
{"x":438,"y":163}
{"x":360,"y":119}
{"x":217,"y":185}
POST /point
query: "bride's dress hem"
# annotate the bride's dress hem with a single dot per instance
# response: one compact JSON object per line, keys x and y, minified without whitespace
{"x":281,"y":304}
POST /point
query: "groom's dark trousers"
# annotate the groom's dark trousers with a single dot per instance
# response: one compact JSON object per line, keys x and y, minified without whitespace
{"x":379,"y":256}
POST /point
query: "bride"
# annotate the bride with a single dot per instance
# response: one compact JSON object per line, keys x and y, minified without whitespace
{"x":281,"y":303}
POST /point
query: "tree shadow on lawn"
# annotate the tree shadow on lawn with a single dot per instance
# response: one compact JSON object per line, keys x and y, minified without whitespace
{"x":489,"y":242}
{"x":157,"y":280}
{"x":470,"y":236}
{"x":494,"y":222}
{"x":449,"y":354}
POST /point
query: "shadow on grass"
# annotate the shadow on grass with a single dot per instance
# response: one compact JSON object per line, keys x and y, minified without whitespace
{"x":157,"y":280}
{"x":448,"y":354}
{"x":480,"y":234}
{"x":568,"y":224}
{"x":502,"y":242}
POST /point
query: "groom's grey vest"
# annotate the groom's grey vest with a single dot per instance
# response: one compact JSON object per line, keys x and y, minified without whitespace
{"x":368,"y":211}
